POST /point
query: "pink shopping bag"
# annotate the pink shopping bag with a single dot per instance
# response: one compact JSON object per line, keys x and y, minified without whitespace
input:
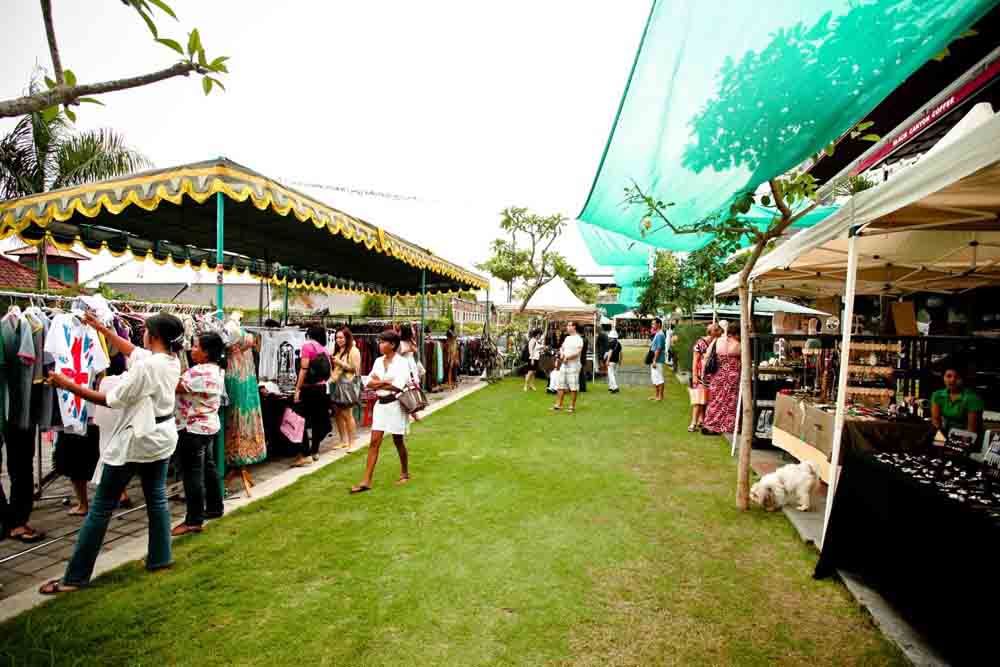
{"x":293,"y":425}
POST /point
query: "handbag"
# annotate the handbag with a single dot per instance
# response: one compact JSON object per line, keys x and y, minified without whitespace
{"x":711,"y":362}
{"x":412,"y":399}
{"x":347,"y":392}
{"x":649,"y":358}
{"x":293,"y":426}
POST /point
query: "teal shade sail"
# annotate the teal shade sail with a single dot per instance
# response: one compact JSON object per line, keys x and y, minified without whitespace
{"x":726,"y":95}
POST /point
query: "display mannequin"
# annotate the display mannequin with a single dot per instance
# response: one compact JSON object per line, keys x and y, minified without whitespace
{"x":245,"y":444}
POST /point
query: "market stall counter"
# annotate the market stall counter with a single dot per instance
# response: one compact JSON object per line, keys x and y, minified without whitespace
{"x":803,"y":427}
{"x":921,"y":527}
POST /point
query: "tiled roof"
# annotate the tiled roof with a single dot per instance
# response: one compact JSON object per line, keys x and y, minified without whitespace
{"x":50,"y":251}
{"x":18,"y":276}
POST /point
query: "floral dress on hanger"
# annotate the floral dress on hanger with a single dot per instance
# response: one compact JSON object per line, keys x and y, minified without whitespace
{"x":245,"y":443}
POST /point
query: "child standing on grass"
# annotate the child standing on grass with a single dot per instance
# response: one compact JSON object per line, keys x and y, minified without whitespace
{"x":199,"y":397}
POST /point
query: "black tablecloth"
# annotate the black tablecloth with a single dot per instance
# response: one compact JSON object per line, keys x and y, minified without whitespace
{"x":882,"y":435}
{"x":931,"y":555}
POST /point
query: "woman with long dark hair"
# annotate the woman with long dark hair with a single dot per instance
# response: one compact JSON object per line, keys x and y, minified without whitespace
{"x":346,"y":361}
{"x":389,"y":375}
{"x":139,"y":442}
{"x":311,"y":397}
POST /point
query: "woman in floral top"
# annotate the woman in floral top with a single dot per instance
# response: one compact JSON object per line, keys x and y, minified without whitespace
{"x":199,"y":397}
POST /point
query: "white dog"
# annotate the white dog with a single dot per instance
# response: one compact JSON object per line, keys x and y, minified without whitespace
{"x":791,"y":483}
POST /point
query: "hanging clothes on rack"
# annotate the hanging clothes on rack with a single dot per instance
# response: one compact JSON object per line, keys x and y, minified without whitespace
{"x":245,"y":441}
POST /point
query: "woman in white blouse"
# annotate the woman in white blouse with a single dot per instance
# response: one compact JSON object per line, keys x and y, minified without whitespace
{"x":390,"y":374}
{"x":138,"y":440}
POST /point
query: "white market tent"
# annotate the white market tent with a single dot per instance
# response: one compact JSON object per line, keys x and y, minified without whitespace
{"x":556,"y":303}
{"x":554,"y":299}
{"x":932,"y":228}
{"x":953,"y":192}
{"x":761,"y":306}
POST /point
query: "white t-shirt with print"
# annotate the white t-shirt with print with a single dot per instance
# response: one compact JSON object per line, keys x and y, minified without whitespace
{"x":79,"y":355}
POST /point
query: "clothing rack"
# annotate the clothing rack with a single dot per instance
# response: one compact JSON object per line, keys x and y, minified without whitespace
{"x":117,"y":302}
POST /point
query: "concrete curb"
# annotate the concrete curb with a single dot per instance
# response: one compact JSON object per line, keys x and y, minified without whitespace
{"x":134,"y":549}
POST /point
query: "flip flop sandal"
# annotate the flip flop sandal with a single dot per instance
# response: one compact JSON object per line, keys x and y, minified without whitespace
{"x":360,"y":488}
{"x":692,"y":429}
{"x":570,"y":410}
{"x":402,"y":480}
{"x":55,"y":587}
{"x":28,"y":538}
{"x":556,"y":408}
{"x":76,"y":513}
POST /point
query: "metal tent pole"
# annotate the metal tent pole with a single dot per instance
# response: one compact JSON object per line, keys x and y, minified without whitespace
{"x":423,"y":312}
{"x":284,"y":312}
{"x":220,"y":219}
{"x":845,"y":352}
{"x":392,"y":306}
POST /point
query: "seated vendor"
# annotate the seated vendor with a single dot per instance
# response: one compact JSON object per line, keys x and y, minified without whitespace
{"x":955,"y":406}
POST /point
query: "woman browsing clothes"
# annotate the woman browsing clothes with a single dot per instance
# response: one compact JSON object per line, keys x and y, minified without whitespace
{"x":311,"y":397}
{"x":389,"y":375}
{"x":724,"y":384}
{"x":346,"y":361}
{"x":139,"y":441}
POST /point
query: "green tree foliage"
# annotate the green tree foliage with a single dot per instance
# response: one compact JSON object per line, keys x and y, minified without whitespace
{"x":43,"y":152}
{"x":373,"y":305}
{"x":583,"y":290}
{"x":687,"y":281}
{"x":63,"y":88}
{"x":527,"y":253}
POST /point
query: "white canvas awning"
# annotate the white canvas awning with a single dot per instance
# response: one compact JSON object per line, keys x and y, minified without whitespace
{"x":763,"y":306}
{"x":554,"y":298}
{"x":932,"y":228}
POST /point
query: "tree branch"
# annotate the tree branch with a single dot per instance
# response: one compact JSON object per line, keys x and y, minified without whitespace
{"x":804,"y":212}
{"x":21,"y":106}
{"x":50,"y":34}
{"x":779,"y":198}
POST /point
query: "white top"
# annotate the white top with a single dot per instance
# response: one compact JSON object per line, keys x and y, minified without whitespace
{"x":534,"y":349}
{"x":128,"y":427}
{"x":397,"y":372}
{"x":79,"y":355}
{"x":572,"y":345}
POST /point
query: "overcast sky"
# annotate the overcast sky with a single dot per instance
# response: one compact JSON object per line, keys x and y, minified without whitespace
{"x":467,"y":106}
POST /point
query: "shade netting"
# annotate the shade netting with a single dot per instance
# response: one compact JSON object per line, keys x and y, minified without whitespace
{"x":724,"y":96}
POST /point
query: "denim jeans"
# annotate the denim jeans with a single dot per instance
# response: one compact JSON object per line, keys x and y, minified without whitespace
{"x":201,"y":477}
{"x":114,"y":479}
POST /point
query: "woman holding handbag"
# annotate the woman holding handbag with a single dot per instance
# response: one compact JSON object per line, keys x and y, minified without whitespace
{"x":311,"y":398}
{"x":390,"y":374}
{"x":346,"y":362}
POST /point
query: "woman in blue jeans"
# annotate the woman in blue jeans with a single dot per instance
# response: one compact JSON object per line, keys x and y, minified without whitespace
{"x":138,"y":441}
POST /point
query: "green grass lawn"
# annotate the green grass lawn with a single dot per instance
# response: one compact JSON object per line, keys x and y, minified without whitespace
{"x":604,"y":538}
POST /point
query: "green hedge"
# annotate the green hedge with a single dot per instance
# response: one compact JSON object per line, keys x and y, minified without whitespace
{"x":687,"y":335}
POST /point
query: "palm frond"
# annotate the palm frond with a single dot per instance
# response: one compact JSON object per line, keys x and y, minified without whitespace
{"x":17,"y":161}
{"x":93,"y":156}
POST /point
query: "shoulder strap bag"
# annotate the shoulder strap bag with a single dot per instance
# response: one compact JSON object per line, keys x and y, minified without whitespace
{"x":712,"y":360}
